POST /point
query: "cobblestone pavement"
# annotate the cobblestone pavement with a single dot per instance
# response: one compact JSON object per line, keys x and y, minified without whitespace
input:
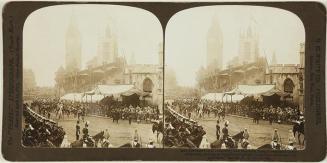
{"x":120,"y":133}
{"x":260,"y":134}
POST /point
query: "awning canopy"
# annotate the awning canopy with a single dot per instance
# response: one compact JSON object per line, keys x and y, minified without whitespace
{"x":90,"y":92}
{"x":222,"y":97}
{"x":253,"y":90}
{"x":135,"y":91}
{"x":93,"y":98}
{"x":102,"y":91}
{"x":113,"y":89}
{"x":73,"y":97}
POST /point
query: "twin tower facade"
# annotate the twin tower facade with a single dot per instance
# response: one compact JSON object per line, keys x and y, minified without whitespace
{"x":248,"y":46}
{"x":107,"y":50}
{"x":107,"y":47}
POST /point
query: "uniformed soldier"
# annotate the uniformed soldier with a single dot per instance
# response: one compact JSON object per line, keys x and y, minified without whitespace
{"x":78,"y":130}
{"x":86,"y":131}
{"x":217,"y":130}
{"x":225,"y":131}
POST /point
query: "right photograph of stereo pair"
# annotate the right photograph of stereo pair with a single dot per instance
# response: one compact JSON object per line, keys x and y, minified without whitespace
{"x":234,"y":79}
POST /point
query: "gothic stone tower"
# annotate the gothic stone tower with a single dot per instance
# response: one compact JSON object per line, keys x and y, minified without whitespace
{"x":215,"y":46}
{"x":73,"y":47}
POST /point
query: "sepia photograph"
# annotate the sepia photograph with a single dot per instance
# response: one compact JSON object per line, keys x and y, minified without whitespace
{"x":234,"y":79}
{"x":193,"y":81}
{"x":92,"y":77}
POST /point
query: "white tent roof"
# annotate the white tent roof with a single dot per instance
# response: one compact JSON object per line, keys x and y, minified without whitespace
{"x":80,"y":97}
{"x":220,"y":97}
{"x":251,"y":90}
{"x":112,"y":89}
{"x":93,"y":98}
{"x":72,"y":97}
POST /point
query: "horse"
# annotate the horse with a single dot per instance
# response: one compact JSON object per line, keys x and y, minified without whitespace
{"x":231,"y":142}
{"x":196,"y":138}
{"x":270,"y":147}
{"x":298,"y":128}
{"x":130,"y":145}
{"x":127,"y":145}
{"x":238,"y":137}
{"x":97,"y":137}
{"x":92,"y":143}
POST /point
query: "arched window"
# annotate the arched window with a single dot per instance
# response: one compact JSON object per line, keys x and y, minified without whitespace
{"x":147,"y":85}
{"x":288,"y":85}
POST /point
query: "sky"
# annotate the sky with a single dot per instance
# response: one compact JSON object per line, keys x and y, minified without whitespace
{"x":138,"y":32}
{"x":279,"y":31}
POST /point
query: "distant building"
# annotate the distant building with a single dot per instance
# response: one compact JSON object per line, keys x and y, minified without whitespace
{"x":227,"y":79}
{"x":145,"y":77}
{"x":107,"y":50}
{"x":87,"y":79}
{"x":214,"y":46}
{"x":73,"y":47}
{"x":248,"y":51}
{"x":249,"y":46}
{"x":29,"y":82}
{"x":288,"y":78}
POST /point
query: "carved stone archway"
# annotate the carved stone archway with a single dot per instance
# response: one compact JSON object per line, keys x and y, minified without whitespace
{"x":147,"y":85}
{"x":288,"y":85}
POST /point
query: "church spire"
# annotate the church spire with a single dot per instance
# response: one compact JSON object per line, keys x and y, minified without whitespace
{"x":215,"y":45}
{"x":73,"y":46}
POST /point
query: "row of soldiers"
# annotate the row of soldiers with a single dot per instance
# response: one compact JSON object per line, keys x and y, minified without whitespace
{"x":59,"y":108}
{"x":181,"y":131}
{"x":40,"y":131}
{"x":257,"y":110}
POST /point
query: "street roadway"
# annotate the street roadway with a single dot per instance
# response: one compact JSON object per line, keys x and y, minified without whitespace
{"x":120,"y":133}
{"x":260,"y":134}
